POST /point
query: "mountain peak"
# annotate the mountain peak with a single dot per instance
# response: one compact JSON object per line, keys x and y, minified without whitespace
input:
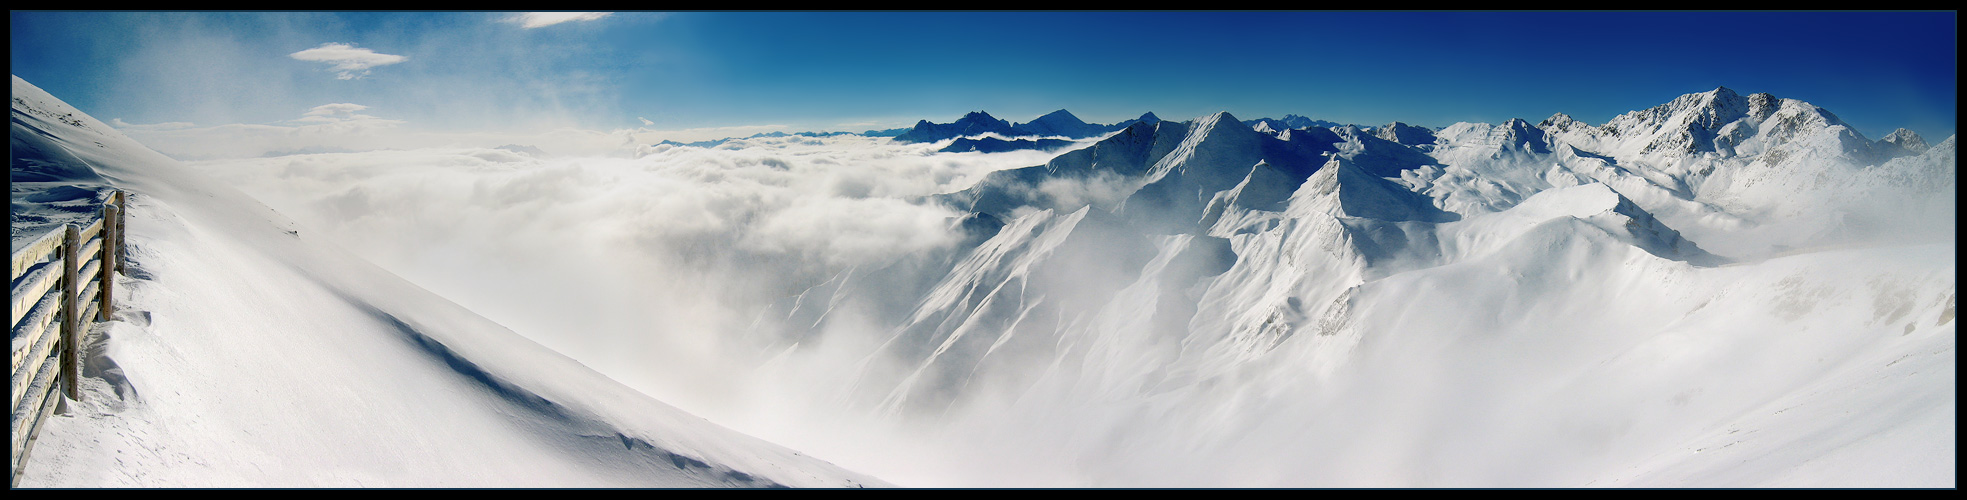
{"x":1905,"y":137}
{"x":1060,"y":123}
{"x":1517,"y":133}
{"x":1058,"y":115}
{"x":1299,"y":121}
{"x":972,"y":123}
{"x":1692,"y":123}
{"x":980,"y":118}
{"x":1720,"y":101}
{"x":1902,"y":142}
{"x":1344,"y":189}
{"x":1405,"y":134}
{"x":1213,"y":128}
{"x":1220,"y":117}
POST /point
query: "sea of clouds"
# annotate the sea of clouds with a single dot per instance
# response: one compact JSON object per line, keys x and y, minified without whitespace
{"x":649,"y":266}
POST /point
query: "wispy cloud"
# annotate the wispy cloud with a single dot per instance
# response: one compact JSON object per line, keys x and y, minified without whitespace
{"x":349,"y":62}
{"x":123,"y":125}
{"x":328,"y":127}
{"x":531,"y":20}
{"x":337,"y":112}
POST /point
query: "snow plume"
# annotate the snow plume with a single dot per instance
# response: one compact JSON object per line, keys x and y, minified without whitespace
{"x":649,"y":269}
{"x":1906,"y":200}
{"x":347,"y":61}
{"x":1103,"y":190}
{"x":1800,"y":201}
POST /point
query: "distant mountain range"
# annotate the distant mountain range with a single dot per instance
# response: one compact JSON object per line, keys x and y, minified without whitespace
{"x":978,"y":131}
{"x":1059,"y":123}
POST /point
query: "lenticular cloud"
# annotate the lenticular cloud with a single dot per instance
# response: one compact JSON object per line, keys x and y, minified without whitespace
{"x":346,"y":60}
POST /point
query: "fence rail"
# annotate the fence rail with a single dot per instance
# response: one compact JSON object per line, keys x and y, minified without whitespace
{"x":60,"y":280}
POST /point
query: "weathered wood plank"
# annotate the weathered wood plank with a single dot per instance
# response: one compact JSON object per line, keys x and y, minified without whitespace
{"x":42,"y":385}
{"x":33,"y":368}
{"x":87,"y":295}
{"x":91,"y":231}
{"x":33,"y":434}
{"x":88,"y":252}
{"x":86,"y":278}
{"x":38,"y":384}
{"x":30,"y":288}
{"x":35,"y":329}
{"x":88,"y":311}
{"x":35,"y":252}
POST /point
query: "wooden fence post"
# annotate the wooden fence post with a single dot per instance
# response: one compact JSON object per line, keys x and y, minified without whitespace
{"x":122,"y":210}
{"x":107,"y":270}
{"x":71,"y":312}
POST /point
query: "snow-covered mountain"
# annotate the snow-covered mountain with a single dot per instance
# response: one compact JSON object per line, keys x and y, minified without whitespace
{"x":1062,"y":123}
{"x":248,"y":353}
{"x":1405,"y":134}
{"x":1644,"y":302}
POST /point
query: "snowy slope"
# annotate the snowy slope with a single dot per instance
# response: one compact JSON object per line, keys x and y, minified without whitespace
{"x":249,"y":353}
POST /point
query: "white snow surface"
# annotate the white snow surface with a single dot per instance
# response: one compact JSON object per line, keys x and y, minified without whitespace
{"x":1721,"y":291}
{"x":246,"y":354}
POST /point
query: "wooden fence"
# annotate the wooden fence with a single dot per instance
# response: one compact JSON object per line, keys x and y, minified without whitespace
{"x":66,"y":276}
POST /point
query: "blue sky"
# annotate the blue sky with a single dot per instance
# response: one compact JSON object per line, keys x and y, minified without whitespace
{"x":745,"y":72}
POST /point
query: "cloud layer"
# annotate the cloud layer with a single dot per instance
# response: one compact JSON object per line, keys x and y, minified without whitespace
{"x":348,"y":127}
{"x":346,"y":60}
{"x":650,"y":269}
